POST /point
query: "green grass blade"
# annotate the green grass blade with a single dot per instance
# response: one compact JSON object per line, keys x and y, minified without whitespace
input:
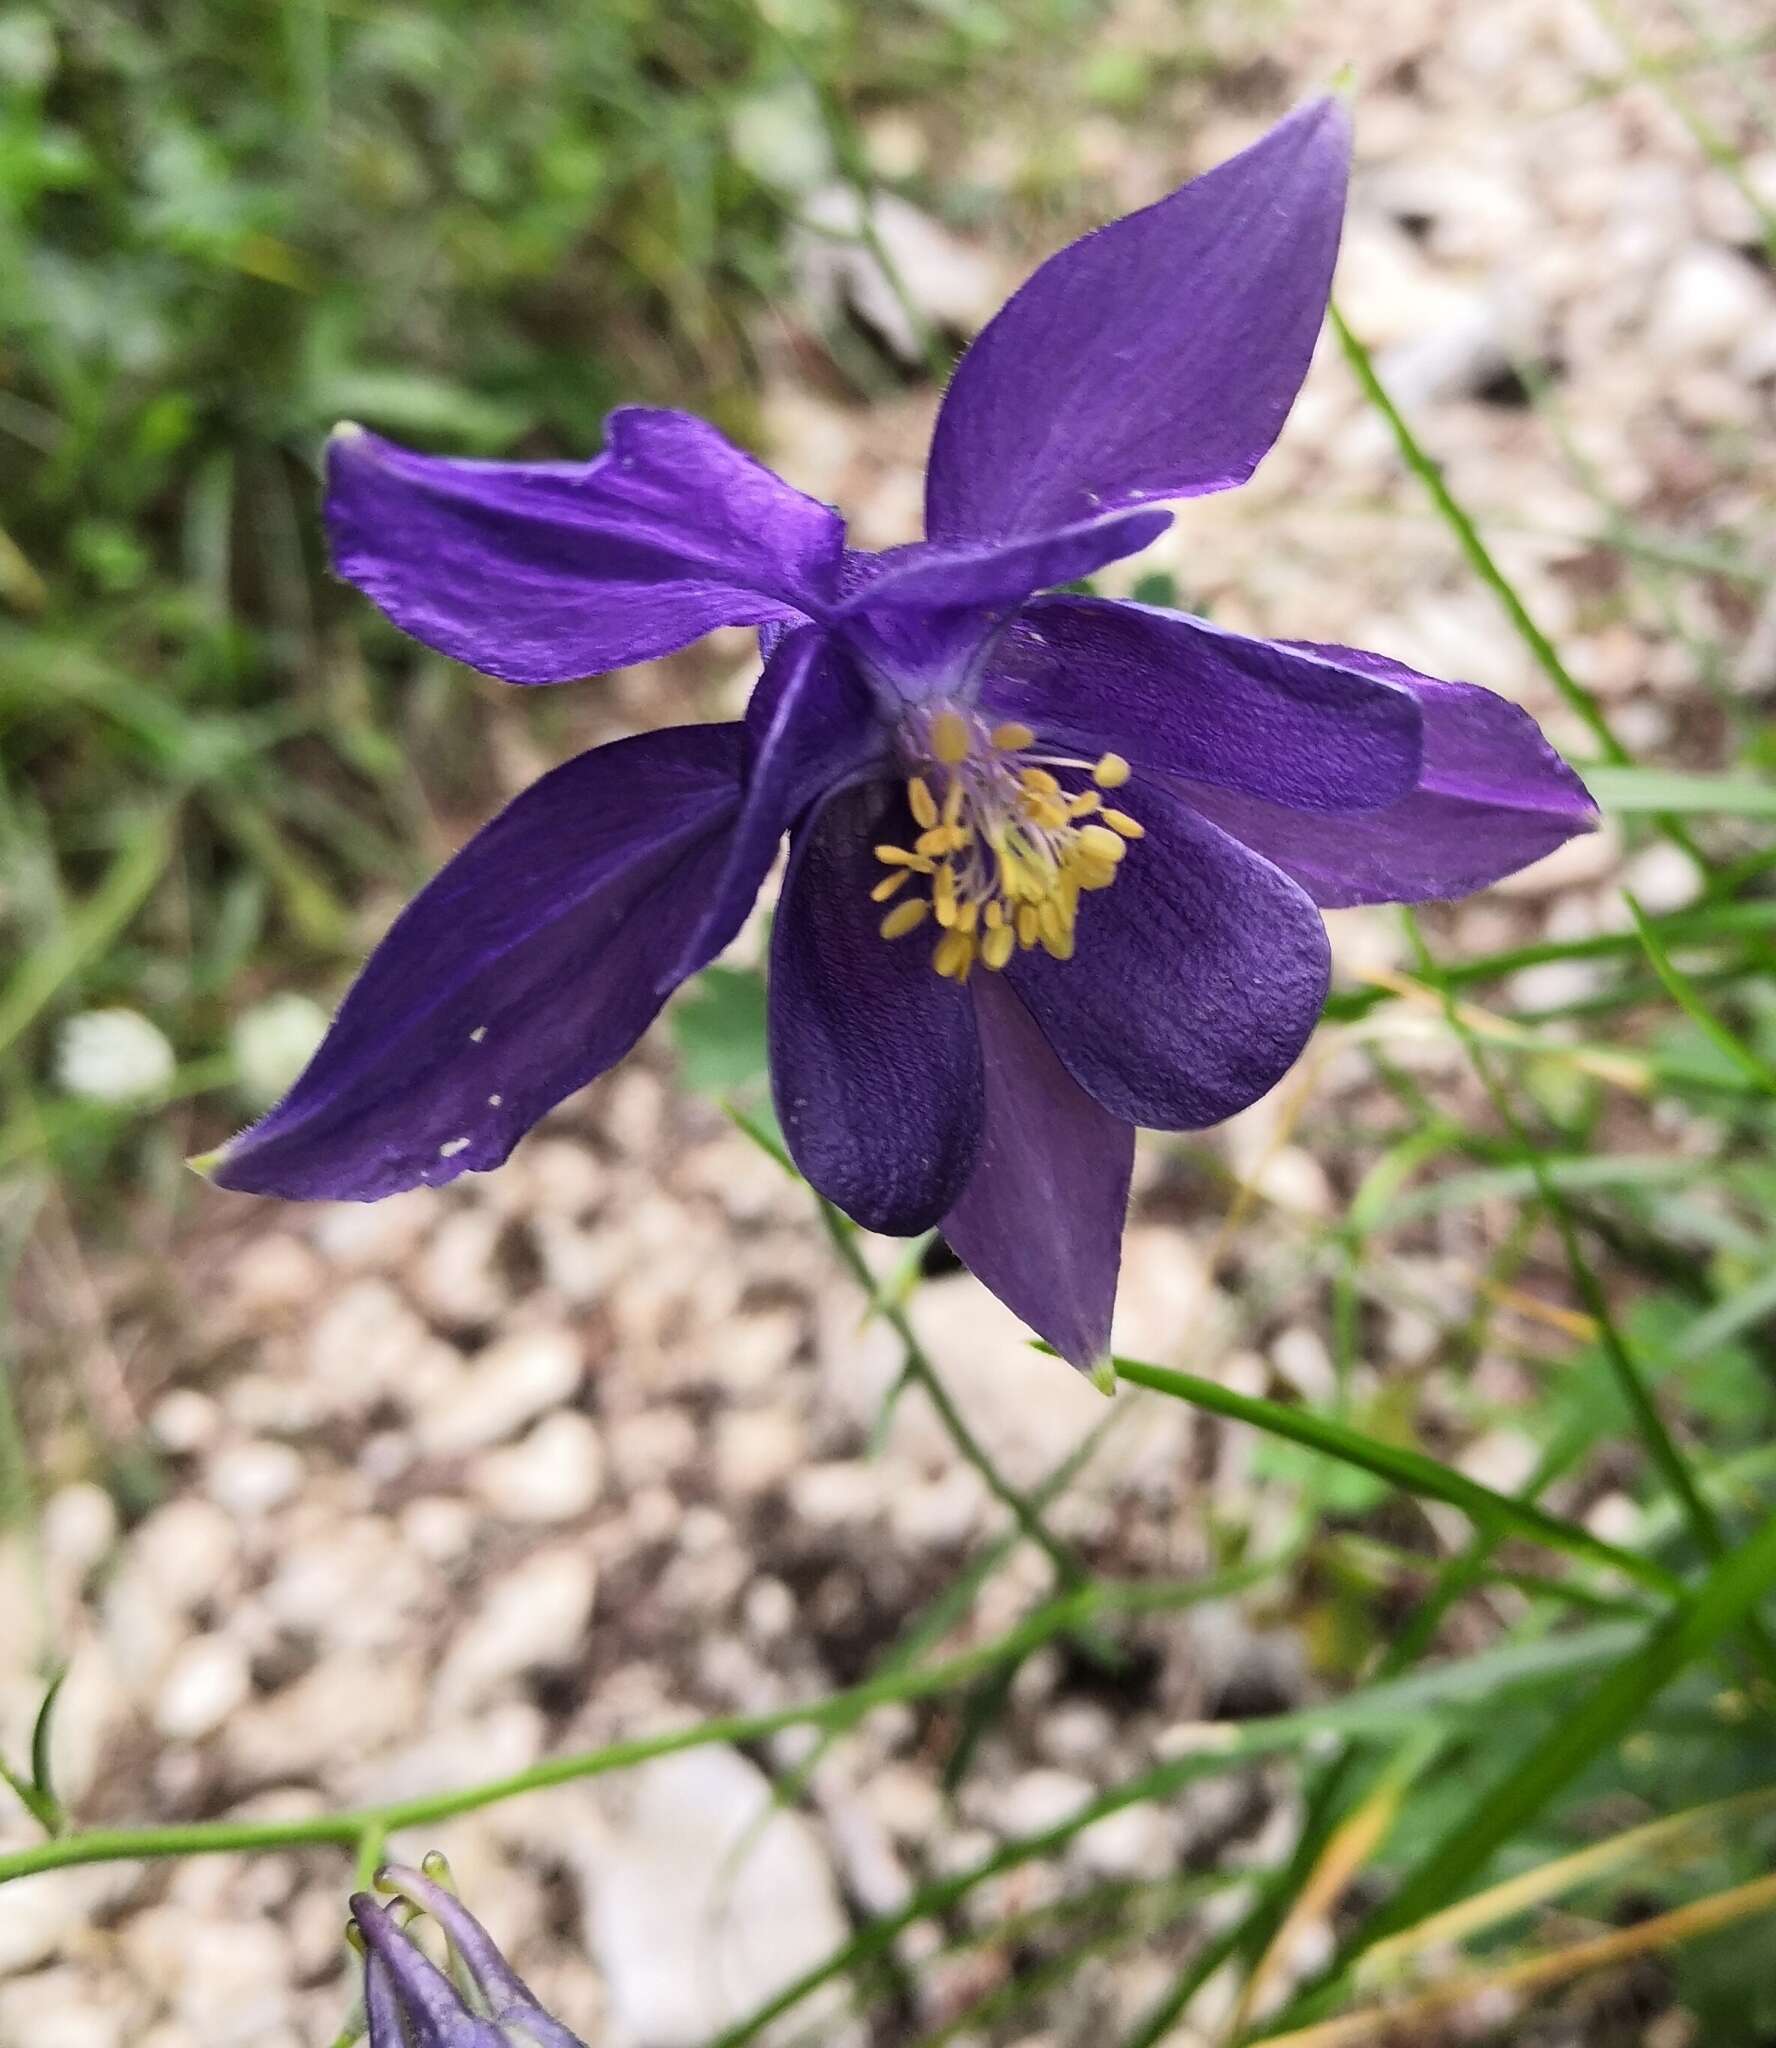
{"x":1728,"y":1598}
{"x":1410,"y":1470}
{"x":1630,"y":792}
{"x":135,"y":868}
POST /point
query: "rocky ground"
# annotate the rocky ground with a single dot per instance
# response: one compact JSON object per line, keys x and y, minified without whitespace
{"x":590,"y":1446}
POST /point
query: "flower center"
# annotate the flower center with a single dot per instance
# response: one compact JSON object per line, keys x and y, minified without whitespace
{"x":1007,"y":850}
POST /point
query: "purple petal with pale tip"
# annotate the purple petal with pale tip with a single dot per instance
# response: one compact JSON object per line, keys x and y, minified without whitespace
{"x":530,"y":964}
{"x":1196,"y":979}
{"x":811,"y":725}
{"x":409,"y":1991}
{"x":1492,"y":797}
{"x":1040,"y":1221}
{"x":875,"y":1063}
{"x":1156,"y":358}
{"x":511,"y":2001}
{"x":540,"y":572}
{"x":1175,"y":694}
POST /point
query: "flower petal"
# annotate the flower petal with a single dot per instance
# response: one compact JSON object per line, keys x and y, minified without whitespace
{"x":1157,"y":358}
{"x":1196,"y":979}
{"x":927,"y":613}
{"x":811,"y":725}
{"x":1493,"y":796}
{"x":1040,"y":1221}
{"x":1287,"y":721}
{"x":407,"y":1995}
{"x":875,"y":1064}
{"x":529,"y":965}
{"x":540,"y":572}
{"x":941,"y":576}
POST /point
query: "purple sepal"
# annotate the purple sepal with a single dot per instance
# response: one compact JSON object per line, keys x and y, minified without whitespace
{"x":539,"y":572}
{"x":530,"y":964}
{"x":1157,"y":358}
{"x":1292,"y":723}
{"x":1493,"y":796}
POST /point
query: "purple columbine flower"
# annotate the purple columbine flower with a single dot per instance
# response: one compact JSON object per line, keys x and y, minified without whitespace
{"x":1056,"y":864}
{"x":410,"y":2003}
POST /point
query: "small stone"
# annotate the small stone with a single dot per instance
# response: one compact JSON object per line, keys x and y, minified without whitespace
{"x":758,"y":1450}
{"x":184,"y":1422}
{"x":686,"y":1944}
{"x":534,"y":1619}
{"x":273,"y":1274}
{"x":456,"y":1280}
{"x":185,"y":1553}
{"x":366,"y":1234}
{"x":208,"y":1681}
{"x":509,"y":1384}
{"x":42,"y":1911}
{"x":79,"y":1528}
{"x":553,"y":1475}
{"x":251,"y":1479}
{"x":1707,"y":300}
{"x":1132,"y":1842}
{"x":1038,"y":1800}
{"x":1662,"y":878}
{"x":647,"y":1449}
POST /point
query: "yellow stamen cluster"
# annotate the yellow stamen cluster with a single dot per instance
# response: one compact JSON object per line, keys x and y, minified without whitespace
{"x":1008,"y":851}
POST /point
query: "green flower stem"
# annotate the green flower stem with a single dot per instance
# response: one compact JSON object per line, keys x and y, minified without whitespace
{"x":368,"y":1825}
{"x":1400,"y":1708}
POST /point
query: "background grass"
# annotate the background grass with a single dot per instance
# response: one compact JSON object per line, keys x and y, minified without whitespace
{"x":475,"y":227}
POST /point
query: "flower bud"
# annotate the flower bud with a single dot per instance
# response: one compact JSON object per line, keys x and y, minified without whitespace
{"x":410,"y":2003}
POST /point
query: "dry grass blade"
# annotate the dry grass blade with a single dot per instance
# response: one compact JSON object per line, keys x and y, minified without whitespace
{"x":1535,"y":1973}
{"x":1347,"y":1851}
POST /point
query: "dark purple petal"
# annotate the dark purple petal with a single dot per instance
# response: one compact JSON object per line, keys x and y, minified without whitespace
{"x":875,"y":1065}
{"x":1197,"y":977}
{"x":1493,"y":796}
{"x":1281,"y":720}
{"x":811,"y":725}
{"x":1157,"y":358}
{"x":1040,"y":1221}
{"x":529,"y":965}
{"x":540,"y":572}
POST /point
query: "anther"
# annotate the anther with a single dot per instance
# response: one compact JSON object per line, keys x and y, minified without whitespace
{"x":954,"y":956}
{"x":904,"y":918}
{"x":1011,"y":737}
{"x":997,"y":944}
{"x":950,"y":738}
{"x":1120,"y":821}
{"x":924,"y":805}
{"x":898,"y":857}
{"x":887,"y":886}
{"x":1111,"y":772}
{"x":1100,"y":843}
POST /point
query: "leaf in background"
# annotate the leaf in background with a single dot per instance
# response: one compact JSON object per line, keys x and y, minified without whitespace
{"x":719,"y":1028}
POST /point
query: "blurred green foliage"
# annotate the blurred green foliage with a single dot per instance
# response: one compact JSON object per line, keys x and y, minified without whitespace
{"x":224,"y":227}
